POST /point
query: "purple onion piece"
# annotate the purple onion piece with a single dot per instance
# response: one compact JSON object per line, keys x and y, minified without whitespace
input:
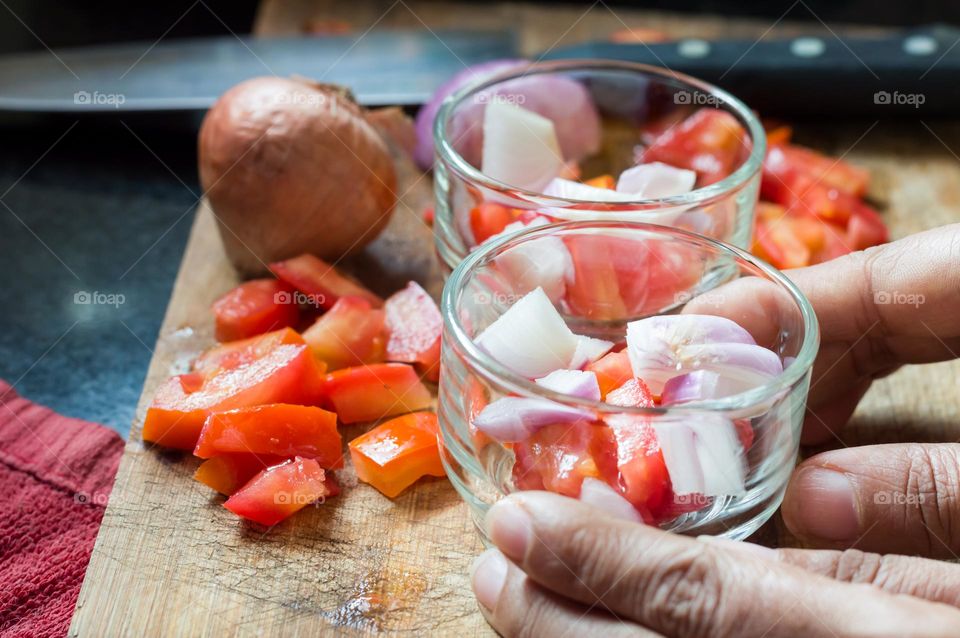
{"x":577,"y":383}
{"x":513,"y":419}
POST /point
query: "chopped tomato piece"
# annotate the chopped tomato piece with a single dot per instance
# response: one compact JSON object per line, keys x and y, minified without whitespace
{"x":612,"y":370}
{"x":320,"y":281}
{"x":779,"y":135}
{"x":711,"y":142}
{"x":254,"y":307}
{"x":349,"y":334}
{"x":414,"y":324}
{"x":558,"y":457}
{"x":279,"y":491}
{"x":235,"y":353}
{"x":595,"y":290}
{"x":634,"y":393}
{"x":229,"y":472}
{"x":602,"y":181}
{"x":285,"y":374}
{"x":776,"y":243}
{"x":488,"y":219}
{"x":834,"y":244}
{"x":787,"y":160}
{"x":865,"y":228}
{"x":279,"y":429}
{"x":367,"y":393}
{"x":393,"y":455}
{"x":744,"y":433}
{"x":643,"y":473}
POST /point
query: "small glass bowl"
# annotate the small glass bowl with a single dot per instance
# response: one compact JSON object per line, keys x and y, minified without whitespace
{"x":628,"y":97}
{"x":701,"y":276}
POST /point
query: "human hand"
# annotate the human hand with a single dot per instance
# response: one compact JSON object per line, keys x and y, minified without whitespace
{"x":563,"y":568}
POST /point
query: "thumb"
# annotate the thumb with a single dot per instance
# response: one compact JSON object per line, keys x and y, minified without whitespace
{"x":884,"y":498}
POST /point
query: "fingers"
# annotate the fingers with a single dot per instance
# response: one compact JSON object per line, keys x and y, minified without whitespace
{"x":681,"y":587}
{"x":901,"y":498}
{"x":896,"y":287}
{"x":515,"y":606}
{"x":929,"y":579}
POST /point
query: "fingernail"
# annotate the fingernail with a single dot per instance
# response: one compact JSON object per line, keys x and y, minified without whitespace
{"x":510,"y":529}
{"x":742,"y":547}
{"x":824,"y":505}
{"x":489,"y":573}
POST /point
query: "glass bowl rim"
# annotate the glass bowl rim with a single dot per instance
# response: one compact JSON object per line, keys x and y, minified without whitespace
{"x":747,"y":169}
{"x":494,"y":371}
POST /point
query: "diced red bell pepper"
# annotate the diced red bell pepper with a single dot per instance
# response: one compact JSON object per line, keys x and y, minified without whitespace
{"x":253,"y":308}
{"x":285,"y":374}
{"x":488,"y":219}
{"x":278,"y":429}
{"x":236,"y":353}
{"x":414,"y":324}
{"x":711,"y":142}
{"x":394,"y":455}
{"x":279,"y":491}
{"x":634,"y":394}
{"x":643,"y":472}
{"x":558,"y":457}
{"x":321,"y":281}
{"x":367,"y":393}
{"x":602,"y":181}
{"x":349,"y":334}
{"x":612,"y":370}
{"x":229,"y":472}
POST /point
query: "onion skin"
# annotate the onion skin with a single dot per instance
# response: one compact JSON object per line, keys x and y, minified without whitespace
{"x":293,"y":167}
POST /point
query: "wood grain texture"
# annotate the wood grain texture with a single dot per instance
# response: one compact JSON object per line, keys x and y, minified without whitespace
{"x":170,"y":560}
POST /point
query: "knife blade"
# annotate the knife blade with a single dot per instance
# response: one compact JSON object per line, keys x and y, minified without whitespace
{"x":380,"y":67}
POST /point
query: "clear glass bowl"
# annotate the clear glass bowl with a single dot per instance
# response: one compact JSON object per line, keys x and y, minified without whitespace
{"x":696,"y":275}
{"x":628,"y":97}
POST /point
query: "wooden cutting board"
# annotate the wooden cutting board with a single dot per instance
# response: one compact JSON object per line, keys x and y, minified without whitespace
{"x":170,"y":560}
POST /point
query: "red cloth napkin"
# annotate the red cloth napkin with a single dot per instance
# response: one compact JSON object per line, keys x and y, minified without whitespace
{"x":55,"y":476}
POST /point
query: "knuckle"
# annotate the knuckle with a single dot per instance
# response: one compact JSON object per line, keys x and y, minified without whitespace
{"x":932,"y":481}
{"x":686,"y":595}
{"x":526,"y":615}
{"x":855,"y":566}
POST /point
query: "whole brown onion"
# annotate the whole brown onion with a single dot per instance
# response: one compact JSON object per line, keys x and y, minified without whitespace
{"x":291,"y":166}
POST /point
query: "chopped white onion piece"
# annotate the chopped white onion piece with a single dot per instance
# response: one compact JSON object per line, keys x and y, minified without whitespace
{"x":569,"y":189}
{"x":679,"y":448}
{"x":656,"y":180}
{"x":543,"y":262}
{"x":596,"y":493}
{"x":577,"y":383}
{"x":721,"y":457}
{"x":530,"y":338}
{"x":520,"y":147}
{"x":589,"y":350}
{"x":516,"y":418}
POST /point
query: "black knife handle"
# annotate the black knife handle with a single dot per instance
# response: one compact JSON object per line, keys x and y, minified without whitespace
{"x":915,"y":73}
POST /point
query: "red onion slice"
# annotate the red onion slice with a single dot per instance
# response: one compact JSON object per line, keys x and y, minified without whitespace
{"x":656,"y":345}
{"x":512,"y":419}
{"x":577,"y":383}
{"x":703,"y":456}
{"x":531,"y":337}
{"x":520,"y":147}
{"x":704,"y":385}
{"x":598,"y":494}
{"x":423,"y":154}
{"x":729,"y":358}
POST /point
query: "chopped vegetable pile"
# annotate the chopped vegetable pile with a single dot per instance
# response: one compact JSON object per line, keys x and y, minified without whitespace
{"x":263,"y":407}
{"x":811,"y":209}
{"x":633,"y":465}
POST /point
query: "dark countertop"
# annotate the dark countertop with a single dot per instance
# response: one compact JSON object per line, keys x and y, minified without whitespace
{"x":86,"y":207}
